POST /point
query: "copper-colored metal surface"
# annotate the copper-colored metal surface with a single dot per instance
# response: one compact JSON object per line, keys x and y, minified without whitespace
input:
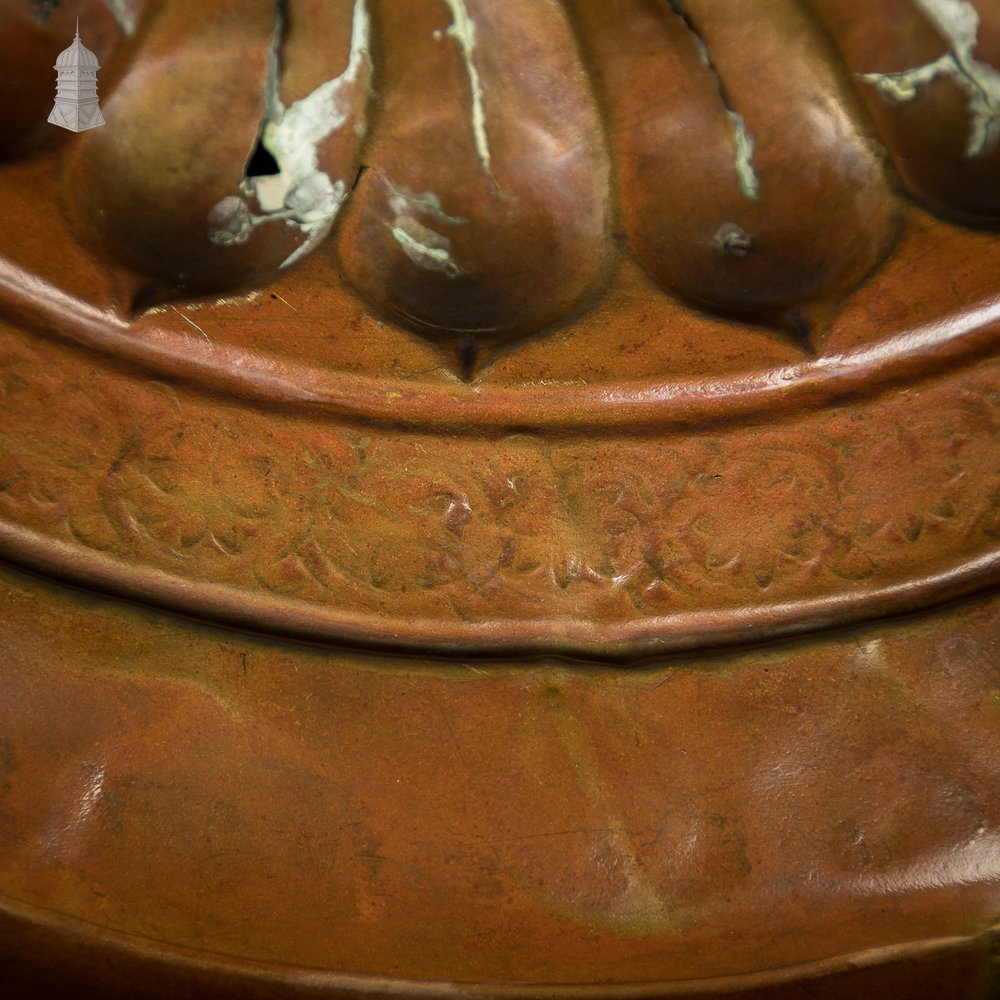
{"x":503,"y":501}
{"x":202,"y":793}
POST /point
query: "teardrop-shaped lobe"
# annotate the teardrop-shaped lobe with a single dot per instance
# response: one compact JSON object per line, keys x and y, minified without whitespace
{"x":746,"y":184}
{"x":484,"y":208}
{"x":213,"y":178}
{"x":929,"y":74}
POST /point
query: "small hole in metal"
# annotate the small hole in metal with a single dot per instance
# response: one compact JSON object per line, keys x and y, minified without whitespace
{"x":262,"y":163}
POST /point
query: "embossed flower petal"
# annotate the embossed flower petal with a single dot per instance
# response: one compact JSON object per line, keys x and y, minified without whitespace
{"x":929,"y":73}
{"x":485,"y":208}
{"x":32,"y":34}
{"x":747,"y":186}
{"x":183,"y":210}
{"x":307,"y":157}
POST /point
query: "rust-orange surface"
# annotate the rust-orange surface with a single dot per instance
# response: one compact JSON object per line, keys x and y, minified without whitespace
{"x":501,"y":499}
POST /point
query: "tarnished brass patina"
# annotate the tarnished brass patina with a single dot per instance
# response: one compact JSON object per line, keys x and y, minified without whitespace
{"x":501,"y":499}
